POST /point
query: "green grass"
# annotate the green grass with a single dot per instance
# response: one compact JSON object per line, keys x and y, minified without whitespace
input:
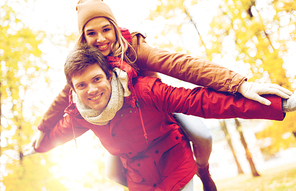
{"x":281,"y":178}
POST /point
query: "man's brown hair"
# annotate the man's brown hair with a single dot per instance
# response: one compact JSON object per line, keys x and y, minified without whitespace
{"x":80,"y":58}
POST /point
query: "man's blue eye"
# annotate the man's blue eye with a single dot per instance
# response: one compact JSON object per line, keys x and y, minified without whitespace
{"x":81,"y":85}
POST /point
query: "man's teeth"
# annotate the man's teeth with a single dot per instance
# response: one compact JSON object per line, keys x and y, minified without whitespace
{"x":95,"y":98}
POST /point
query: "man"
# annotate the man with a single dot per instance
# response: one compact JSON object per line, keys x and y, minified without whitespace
{"x":133,"y":118}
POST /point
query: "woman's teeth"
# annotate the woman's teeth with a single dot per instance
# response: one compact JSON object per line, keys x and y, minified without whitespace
{"x":103,"y":47}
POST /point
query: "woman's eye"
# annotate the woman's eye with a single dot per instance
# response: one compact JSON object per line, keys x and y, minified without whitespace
{"x":106,"y":30}
{"x":97,"y":79}
{"x":90,"y":33}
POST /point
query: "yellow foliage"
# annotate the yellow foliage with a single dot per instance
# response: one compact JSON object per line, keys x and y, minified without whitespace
{"x":257,"y":35}
{"x":21,"y":65}
{"x":31,"y":175}
{"x":280,"y":133}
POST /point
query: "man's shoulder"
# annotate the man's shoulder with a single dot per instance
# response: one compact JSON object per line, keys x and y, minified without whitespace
{"x":144,"y":82}
{"x":145,"y":85}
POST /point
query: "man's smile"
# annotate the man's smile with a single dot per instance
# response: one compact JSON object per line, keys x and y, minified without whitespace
{"x":96,"y":98}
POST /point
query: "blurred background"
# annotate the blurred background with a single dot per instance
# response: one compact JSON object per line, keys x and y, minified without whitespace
{"x":255,"y":38}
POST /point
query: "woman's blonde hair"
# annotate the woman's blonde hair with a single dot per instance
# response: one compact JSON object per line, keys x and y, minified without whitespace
{"x":121,"y":48}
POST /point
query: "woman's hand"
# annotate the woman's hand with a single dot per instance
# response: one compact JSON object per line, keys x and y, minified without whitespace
{"x":252,"y":90}
{"x":35,"y":143}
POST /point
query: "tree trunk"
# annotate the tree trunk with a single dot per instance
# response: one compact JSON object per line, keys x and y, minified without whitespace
{"x":0,"y":117}
{"x":248,"y":154}
{"x":228,"y":138}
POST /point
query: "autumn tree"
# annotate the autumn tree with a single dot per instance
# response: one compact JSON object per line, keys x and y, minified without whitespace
{"x":25,"y":72}
{"x":254,"y":38}
{"x":21,"y":68}
{"x":245,"y":145}
{"x":281,"y":31}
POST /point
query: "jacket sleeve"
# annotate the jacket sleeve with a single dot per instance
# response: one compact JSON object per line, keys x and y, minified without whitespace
{"x":55,"y":111}
{"x":185,"y":67}
{"x":208,"y":103}
{"x":65,"y":130}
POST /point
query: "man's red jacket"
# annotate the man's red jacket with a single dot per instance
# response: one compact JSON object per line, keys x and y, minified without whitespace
{"x":165,"y":161}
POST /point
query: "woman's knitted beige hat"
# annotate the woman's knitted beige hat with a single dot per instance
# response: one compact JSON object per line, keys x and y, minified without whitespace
{"x":89,"y":9}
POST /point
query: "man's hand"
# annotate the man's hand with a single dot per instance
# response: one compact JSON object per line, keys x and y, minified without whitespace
{"x":252,"y":90}
{"x":35,"y":143}
{"x":289,"y":105}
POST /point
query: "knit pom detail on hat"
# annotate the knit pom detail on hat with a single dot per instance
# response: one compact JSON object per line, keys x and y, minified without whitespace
{"x":90,"y":9}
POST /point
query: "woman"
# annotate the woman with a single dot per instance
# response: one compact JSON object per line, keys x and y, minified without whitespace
{"x":98,"y":27}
